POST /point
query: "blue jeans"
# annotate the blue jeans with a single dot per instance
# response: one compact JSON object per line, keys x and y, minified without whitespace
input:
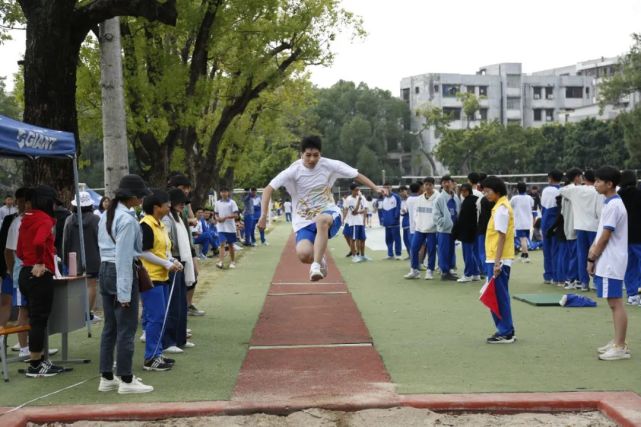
{"x":632,"y":277}
{"x":469,"y":256}
{"x":393,"y":240}
{"x":429,"y":240}
{"x":288,"y":217}
{"x":445,"y":244}
{"x":154,"y":306}
{"x":505,"y":325}
{"x":584,"y":240}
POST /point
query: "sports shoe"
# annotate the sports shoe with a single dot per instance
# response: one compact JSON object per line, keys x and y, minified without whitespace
{"x":349,"y":254}
{"x":189,"y":344}
{"x":135,"y":386}
{"x":44,"y":369}
{"x":465,"y":279}
{"x":220,"y":265}
{"x":108,"y":385}
{"x":584,"y":287}
{"x":560,"y":284}
{"x":526,"y":260}
{"x":16,"y":347}
{"x":173,"y":350}
{"x":448,"y":277}
{"x":323,"y":267}
{"x":167,"y":360}
{"x":359,"y":259}
{"x":143,"y":337}
{"x":315,"y":273}
{"x":501,"y":339}
{"x":413,"y":274}
{"x":634,"y":300}
{"x":476,"y":278}
{"x":616,"y":353}
{"x":429,"y":275}
{"x":568,"y":285}
{"x":232,"y":265}
{"x":548,"y":282}
{"x":193,"y":311}
{"x":608,"y":346}
{"x":156,"y":364}
{"x":398,"y":258}
{"x":188,"y":334}
{"x":265,"y":243}
{"x":356,"y":258}
{"x":24,"y":352}
{"x":95,"y":318}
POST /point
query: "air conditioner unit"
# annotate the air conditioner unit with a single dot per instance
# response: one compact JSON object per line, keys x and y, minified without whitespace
{"x":537,"y":96}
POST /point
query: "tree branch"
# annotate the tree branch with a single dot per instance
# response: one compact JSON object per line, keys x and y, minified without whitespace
{"x":97,"y":11}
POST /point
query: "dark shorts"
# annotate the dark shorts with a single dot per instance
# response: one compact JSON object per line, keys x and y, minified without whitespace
{"x":7,"y":285}
{"x":523,"y":233}
{"x":309,"y":232}
{"x":227,"y":238}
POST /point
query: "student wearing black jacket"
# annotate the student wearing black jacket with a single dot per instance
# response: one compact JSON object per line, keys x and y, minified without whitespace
{"x":465,"y":230}
{"x":631,"y":196}
{"x":558,"y":230}
{"x":485,"y":213}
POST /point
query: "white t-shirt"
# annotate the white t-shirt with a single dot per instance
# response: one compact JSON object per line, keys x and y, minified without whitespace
{"x":12,"y":236}
{"x":410,"y":205}
{"x":288,"y":207}
{"x":424,"y":213}
{"x":311,"y":189}
{"x":501,"y":222}
{"x":226,"y":208}
{"x":614,"y":260}
{"x":548,"y":197}
{"x":586,"y":205}
{"x":522,"y":205}
{"x":350,"y":206}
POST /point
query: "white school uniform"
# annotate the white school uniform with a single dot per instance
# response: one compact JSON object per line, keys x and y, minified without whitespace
{"x":226,"y":208}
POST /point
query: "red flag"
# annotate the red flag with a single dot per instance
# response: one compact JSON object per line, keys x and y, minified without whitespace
{"x":488,"y":297}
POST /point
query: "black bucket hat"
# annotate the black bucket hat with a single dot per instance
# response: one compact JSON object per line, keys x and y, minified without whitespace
{"x":132,"y":186}
{"x":177,"y":196}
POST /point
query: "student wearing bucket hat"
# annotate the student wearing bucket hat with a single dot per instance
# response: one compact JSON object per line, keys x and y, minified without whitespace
{"x":120,"y":243}
{"x":71,"y":243}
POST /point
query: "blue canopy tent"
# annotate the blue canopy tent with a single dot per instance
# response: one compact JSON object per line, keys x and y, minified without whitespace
{"x":20,"y":140}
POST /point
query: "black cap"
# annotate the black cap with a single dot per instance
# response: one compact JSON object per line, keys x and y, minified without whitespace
{"x":132,"y":186}
{"x":177,"y":196}
{"x":45,"y":192}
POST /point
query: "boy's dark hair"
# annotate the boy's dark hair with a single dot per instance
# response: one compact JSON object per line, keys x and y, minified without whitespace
{"x":628,"y":179}
{"x":313,"y":142}
{"x":156,"y":198}
{"x":446,"y":178}
{"x":224,"y":189}
{"x":402,"y":188}
{"x":609,"y":174}
{"x":415,"y":186}
{"x":556,"y":175}
{"x":474,"y":177}
{"x":573,"y":173}
{"x":535,"y":187}
{"x":353,"y":186}
{"x":252,"y":189}
{"x":482,"y":176}
{"x":588,"y":175}
{"x":521,"y":187}
{"x":44,"y":198}
{"x":429,"y":179}
{"x":495,"y":184}
{"x":21,"y":193}
{"x":387,"y":184}
{"x":467,"y":187}
{"x":178,"y":179}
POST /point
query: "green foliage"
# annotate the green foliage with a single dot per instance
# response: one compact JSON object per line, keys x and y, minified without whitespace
{"x":361,"y":126}
{"x":8,"y":104}
{"x":630,"y":125}
{"x":628,"y":77}
{"x":471,"y":105}
{"x":11,"y":17}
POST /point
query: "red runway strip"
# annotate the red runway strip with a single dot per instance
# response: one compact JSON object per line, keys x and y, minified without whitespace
{"x":291,"y":270}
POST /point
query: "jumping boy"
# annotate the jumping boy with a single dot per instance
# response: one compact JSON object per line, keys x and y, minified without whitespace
{"x":608,"y":259}
{"x":316,"y":218}
{"x":226,"y":213}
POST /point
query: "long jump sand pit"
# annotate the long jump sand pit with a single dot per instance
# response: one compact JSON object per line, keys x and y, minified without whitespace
{"x":402,"y":417}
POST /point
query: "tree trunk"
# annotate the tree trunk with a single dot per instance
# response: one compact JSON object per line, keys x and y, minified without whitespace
{"x":116,"y":159}
{"x":50,"y":62}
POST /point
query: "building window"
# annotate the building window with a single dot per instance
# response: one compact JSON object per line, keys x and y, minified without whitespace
{"x":587,"y":91}
{"x":537,"y":115}
{"x":482,"y":90}
{"x":453,"y":113}
{"x":450,"y":91}
{"x":574,"y":92}
{"x":471,"y":89}
{"x":483,"y":112}
{"x":537,"y":92}
{"x":549,"y":114}
{"x":417,"y":90}
{"x":514,"y":80}
{"x":549,"y":92}
{"x":405,"y":94}
{"x":514,"y":103}
{"x":435,"y":88}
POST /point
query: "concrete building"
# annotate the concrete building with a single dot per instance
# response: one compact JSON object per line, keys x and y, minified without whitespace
{"x":506,"y":94}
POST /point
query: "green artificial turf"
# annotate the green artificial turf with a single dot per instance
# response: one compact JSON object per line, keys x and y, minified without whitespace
{"x":431,"y":334}
{"x":232,"y":299}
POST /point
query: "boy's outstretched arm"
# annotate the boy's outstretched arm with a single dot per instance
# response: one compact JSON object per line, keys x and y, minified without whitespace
{"x":368,"y":182}
{"x":264,"y":207}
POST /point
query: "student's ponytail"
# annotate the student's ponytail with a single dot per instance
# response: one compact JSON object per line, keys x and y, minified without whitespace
{"x":111,"y":213}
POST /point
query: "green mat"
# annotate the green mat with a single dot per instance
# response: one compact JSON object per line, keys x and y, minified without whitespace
{"x":541,"y":300}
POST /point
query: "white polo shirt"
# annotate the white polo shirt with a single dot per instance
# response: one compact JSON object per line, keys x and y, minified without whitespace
{"x":522,"y":205}
{"x":226,"y":208}
{"x":613,"y":262}
{"x":350,"y":206}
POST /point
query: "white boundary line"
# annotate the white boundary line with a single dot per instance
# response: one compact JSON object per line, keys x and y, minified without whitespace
{"x":308,"y":283}
{"x":284,"y":294}
{"x":284,"y":347}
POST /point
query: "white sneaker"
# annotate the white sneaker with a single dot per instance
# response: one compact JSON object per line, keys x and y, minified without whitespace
{"x":429,"y":275}
{"x":189,"y":344}
{"x":356,"y":258}
{"x":173,"y":350}
{"x":413,"y":274}
{"x":143,"y":337}
{"x":24,"y":352}
{"x":476,"y":278}
{"x":526,"y":260}
{"x":634,"y":300}
{"x":315,"y":273}
{"x":616,"y":353}
{"x":16,"y":347}
{"x":569,"y":285}
{"x":323,"y":267}
{"x":109,"y":385}
{"x":220,"y":265}
{"x":232,"y":265}
{"x":366,"y":258}
{"x":605,"y":348}
{"x":135,"y":386}
{"x":96,"y":318}
{"x":465,"y":279}
{"x":398,"y":258}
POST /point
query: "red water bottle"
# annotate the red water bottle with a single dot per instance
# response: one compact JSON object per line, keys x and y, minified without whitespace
{"x":73,"y":265}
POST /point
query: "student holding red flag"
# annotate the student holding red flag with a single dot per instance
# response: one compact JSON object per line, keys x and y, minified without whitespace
{"x":499,"y":250}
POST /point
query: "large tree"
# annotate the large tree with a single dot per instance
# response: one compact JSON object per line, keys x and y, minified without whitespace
{"x":55,"y":32}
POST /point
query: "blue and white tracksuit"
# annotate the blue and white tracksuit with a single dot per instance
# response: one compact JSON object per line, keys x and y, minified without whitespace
{"x":391,"y":216}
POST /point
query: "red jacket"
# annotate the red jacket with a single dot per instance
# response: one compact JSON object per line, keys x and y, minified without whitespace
{"x":36,"y":240}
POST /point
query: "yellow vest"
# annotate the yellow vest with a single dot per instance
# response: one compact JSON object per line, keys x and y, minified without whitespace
{"x":162,"y":246}
{"x":492,"y":236}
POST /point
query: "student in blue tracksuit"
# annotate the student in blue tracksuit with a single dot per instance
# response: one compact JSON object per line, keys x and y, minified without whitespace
{"x":248,"y":217}
{"x":446,"y":210}
{"x":405,"y":218}
{"x":391,"y":215}
{"x":257,"y":209}
{"x":549,"y":214}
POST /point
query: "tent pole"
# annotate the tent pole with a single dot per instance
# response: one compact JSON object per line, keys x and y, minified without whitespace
{"x":83,"y":262}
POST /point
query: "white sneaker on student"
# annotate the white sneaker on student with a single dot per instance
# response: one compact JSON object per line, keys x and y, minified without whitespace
{"x":356,"y":258}
{"x":232,"y":265}
{"x":465,"y":279}
{"x":605,"y":348}
{"x":323,"y":267}
{"x":634,"y":300}
{"x":16,"y":347}
{"x":398,"y":258}
{"x":569,"y":285}
{"x":109,"y":385}
{"x":24,"y":352}
{"x":616,"y":353}
{"x":315,"y":273}
{"x":135,"y":386}
{"x":429,"y":275}
{"x":173,"y":350}
{"x":413,"y":274}
{"x":189,"y":344}
{"x":143,"y":337}
{"x":476,"y":278}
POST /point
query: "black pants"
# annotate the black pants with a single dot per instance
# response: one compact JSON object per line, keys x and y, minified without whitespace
{"x":39,"y":294}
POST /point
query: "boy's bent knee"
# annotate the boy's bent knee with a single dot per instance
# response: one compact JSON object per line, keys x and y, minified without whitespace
{"x":305,"y":257}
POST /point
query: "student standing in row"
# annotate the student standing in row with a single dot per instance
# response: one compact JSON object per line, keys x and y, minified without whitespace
{"x":522,"y":206}
{"x":355,"y":206}
{"x":446,"y":210}
{"x":424,"y":231}
{"x":391,"y":213}
{"x":288,"y":210}
{"x":549,"y":213}
{"x":255,"y":216}
{"x":416,"y":191}
{"x":248,"y":218}
{"x":465,"y":231}
{"x":226,"y":213}
{"x":485,"y":212}
{"x":405,"y":218}
{"x":631,"y":196}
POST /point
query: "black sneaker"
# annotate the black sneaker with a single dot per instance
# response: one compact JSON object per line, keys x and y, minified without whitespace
{"x":44,"y":369}
{"x":349,"y":254}
{"x":501,"y":339}
{"x":157,"y":364}
{"x":449,"y":277}
{"x":167,"y":360}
